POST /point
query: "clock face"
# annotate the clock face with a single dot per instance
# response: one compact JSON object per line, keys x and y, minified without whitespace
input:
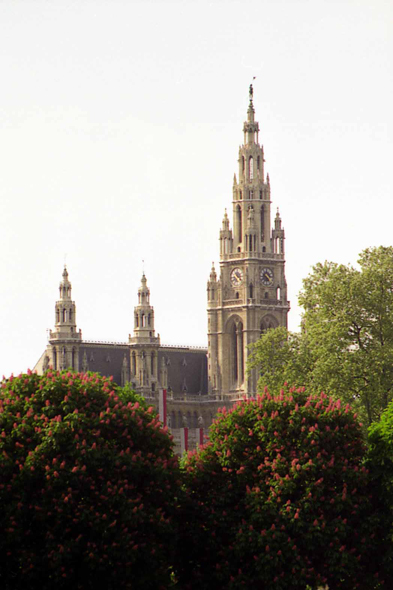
{"x":236,"y":277}
{"x":266,"y":276}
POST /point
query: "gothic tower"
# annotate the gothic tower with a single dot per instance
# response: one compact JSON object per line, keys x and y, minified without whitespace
{"x":251,"y":293}
{"x":64,"y":340}
{"x":144,"y":345}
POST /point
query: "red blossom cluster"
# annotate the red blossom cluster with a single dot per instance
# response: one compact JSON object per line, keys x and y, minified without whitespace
{"x":280,"y":498}
{"x":88,"y":485}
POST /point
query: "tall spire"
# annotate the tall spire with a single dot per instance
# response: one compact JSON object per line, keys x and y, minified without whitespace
{"x":250,"y":294}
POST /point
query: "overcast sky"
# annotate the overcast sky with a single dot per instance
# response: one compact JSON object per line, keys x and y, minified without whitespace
{"x":120,"y":123}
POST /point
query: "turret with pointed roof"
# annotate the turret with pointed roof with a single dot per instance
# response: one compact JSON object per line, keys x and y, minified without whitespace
{"x":64,"y":340}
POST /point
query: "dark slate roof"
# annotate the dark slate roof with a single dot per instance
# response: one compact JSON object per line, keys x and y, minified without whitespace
{"x":186,"y":366}
{"x":187,"y":369}
{"x":104,"y":357}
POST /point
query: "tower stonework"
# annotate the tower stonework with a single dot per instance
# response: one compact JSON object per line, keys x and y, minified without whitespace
{"x":250,"y":295}
{"x":144,"y":345}
{"x":64,"y":341}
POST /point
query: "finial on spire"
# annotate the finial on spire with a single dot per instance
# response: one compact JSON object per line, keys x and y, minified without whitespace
{"x":213,"y":274}
{"x":251,"y":93}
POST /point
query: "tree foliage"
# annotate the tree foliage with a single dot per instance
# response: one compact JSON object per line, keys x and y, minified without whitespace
{"x":380,"y":464}
{"x":278,"y":499}
{"x":346,"y":343}
{"x":88,"y":484}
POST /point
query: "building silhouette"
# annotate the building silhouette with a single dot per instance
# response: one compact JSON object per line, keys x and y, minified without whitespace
{"x":248,"y":297}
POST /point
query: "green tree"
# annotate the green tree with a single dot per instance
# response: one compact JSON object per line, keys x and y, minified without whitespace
{"x":88,"y":483}
{"x":279,"y":499}
{"x":346,"y":343}
{"x":380,"y":465}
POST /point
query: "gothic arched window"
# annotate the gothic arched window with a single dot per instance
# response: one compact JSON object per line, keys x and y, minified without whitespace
{"x":251,"y":167}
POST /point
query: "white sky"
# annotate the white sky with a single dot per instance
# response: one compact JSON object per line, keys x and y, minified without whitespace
{"x":120,"y":123}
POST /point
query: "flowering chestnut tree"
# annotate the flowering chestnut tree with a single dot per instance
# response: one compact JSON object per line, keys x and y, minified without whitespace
{"x":88,"y":486}
{"x":279,"y":499}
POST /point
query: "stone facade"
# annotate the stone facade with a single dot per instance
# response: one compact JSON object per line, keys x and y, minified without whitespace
{"x":251,"y":294}
{"x":249,"y":297}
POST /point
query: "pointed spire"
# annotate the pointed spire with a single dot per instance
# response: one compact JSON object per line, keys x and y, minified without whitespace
{"x":277,"y":220}
{"x":65,"y":286}
{"x":143,"y":291}
{"x":268,"y":178}
{"x":251,"y":110}
{"x":213,"y":274}
{"x":234,"y":179}
{"x":225,"y":221}
{"x":250,"y":127}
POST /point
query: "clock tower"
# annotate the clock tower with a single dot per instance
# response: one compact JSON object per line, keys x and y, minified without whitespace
{"x":250,"y":295}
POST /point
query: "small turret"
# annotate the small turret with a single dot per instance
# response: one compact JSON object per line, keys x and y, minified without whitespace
{"x":64,"y":340}
{"x":278,"y":235}
{"x":277,"y":220}
{"x":144,"y":344}
{"x":143,"y":315}
{"x":213,"y":274}
{"x":212,"y":287}
{"x":226,"y":239}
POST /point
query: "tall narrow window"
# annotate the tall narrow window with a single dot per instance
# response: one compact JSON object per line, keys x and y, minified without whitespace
{"x":258,"y":162}
{"x":70,"y":315}
{"x":241,"y":195}
{"x":234,"y":353}
{"x":64,"y":315}
{"x":57,"y":316}
{"x":243,"y":164}
{"x":251,"y":195}
{"x":239,"y":223}
{"x":262,"y":223}
{"x":251,"y":168}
